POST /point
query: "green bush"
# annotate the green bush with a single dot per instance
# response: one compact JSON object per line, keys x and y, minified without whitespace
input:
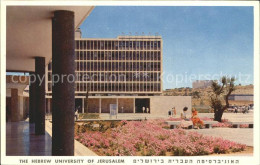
{"x":89,"y":116}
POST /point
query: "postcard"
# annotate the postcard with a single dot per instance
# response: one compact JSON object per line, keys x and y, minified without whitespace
{"x":130,"y":82}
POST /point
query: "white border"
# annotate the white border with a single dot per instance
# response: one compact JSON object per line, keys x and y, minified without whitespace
{"x":243,"y":160}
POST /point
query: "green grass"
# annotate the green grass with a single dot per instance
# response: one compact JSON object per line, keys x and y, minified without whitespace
{"x":89,"y":116}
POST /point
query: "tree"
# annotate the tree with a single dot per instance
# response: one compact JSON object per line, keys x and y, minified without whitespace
{"x":221,"y":92}
{"x":196,"y":94}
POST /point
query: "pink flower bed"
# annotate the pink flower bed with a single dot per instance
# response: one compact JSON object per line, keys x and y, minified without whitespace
{"x":148,"y":138}
{"x":222,"y":125}
{"x":244,"y":126}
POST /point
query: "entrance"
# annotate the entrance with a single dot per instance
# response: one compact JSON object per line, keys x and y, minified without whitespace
{"x":142,"y":105}
{"x":78,"y":105}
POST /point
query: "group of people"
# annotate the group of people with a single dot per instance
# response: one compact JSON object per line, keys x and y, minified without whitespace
{"x":194,"y":120}
{"x":172,"y":112}
{"x":146,"y":110}
{"x":244,"y":109}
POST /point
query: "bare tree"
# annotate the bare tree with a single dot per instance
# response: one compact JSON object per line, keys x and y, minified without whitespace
{"x":221,"y":92}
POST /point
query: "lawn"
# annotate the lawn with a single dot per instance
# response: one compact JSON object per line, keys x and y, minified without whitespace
{"x":148,"y":138}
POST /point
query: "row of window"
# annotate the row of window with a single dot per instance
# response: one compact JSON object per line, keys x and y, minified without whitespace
{"x":118,"y":66}
{"x":115,"y":87}
{"x":114,"y":77}
{"x":117,"y":55}
{"x":117,"y":45}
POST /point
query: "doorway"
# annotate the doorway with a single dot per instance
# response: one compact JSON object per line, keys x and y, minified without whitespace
{"x":142,"y":105}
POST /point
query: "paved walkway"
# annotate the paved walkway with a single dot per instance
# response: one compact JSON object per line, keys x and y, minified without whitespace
{"x":239,"y":135}
{"x":22,"y":141}
{"x":80,"y":149}
{"x":248,"y":117}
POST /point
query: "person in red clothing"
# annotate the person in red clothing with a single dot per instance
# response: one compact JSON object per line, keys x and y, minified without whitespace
{"x":197,"y":123}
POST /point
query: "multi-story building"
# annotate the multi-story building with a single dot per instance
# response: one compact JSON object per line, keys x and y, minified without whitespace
{"x":125,"y":71}
{"x":125,"y":65}
{"x":201,"y":84}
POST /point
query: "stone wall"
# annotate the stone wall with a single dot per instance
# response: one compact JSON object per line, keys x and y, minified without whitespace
{"x":160,"y":105}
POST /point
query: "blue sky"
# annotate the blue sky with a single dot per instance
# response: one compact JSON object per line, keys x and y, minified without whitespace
{"x":197,"y":41}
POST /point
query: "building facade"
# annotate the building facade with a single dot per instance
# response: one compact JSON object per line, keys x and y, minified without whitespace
{"x":201,"y":83}
{"x":125,"y":65}
{"x":125,"y":71}
{"x":241,"y":97}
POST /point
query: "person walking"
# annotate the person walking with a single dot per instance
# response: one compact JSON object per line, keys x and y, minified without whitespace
{"x":76,"y":114}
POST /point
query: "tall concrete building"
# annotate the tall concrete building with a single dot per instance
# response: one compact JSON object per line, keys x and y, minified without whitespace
{"x":125,"y":71}
{"x":201,"y":83}
{"x":124,"y":65}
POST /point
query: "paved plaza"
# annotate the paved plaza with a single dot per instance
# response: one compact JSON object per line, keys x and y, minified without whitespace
{"x":22,"y":141}
{"x":239,"y":135}
{"x":234,"y":117}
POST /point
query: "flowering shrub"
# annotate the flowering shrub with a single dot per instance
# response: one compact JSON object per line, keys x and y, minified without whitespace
{"x":179,"y":119}
{"x":148,"y":138}
{"x":223,"y":125}
{"x":224,"y":120}
{"x":244,"y":126}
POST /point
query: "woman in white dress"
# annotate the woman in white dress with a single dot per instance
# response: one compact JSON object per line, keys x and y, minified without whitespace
{"x":185,"y":122}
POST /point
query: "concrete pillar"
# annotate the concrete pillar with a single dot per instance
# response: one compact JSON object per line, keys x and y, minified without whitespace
{"x":20,"y":107}
{"x":63,"y":93}
{"x":32,"y":98}
{"x":14,"y":105}
{"x":40,"y":105}
{"x":83,"y":108}
{"x":99,"y":108}
{"x":133,"y":105}
{"x":116,"y":105}
{"x":49,"y":105}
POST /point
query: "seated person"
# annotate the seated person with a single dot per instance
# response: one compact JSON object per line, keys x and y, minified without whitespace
{"x":185,"y":122}
{"x":197,"y":123}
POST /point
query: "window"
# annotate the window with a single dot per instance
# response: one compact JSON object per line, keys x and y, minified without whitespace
{"x":77,"y":44}
{"x":81,"y":55}
{"x":50,"y":66}
{"x":95,"y":45}
{"x":95,"y":55}
{"x":49,"y":86}
{"x":84,"y":44}
{"x":116,"y":45}
{"x":102,"y":45}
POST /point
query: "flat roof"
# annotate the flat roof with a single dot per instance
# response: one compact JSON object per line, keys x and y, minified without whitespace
{"x":125,"y":37}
